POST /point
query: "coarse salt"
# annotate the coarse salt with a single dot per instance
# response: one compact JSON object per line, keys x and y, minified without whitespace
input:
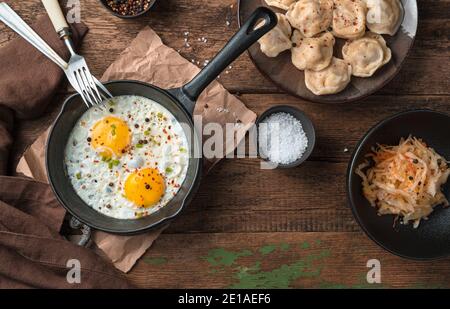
{"x":281,"y":138}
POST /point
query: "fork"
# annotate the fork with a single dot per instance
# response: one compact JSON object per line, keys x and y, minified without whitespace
{"x":12,"y":20}
{"x":77,"y":66}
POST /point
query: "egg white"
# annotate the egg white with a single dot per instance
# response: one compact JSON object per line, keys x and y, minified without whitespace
{"x":99,"y":184}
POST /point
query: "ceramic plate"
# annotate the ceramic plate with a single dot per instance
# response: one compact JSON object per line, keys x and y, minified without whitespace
{"x":286,"y":76}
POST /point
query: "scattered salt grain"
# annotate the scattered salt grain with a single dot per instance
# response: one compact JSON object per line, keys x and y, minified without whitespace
{"x":281,"y":138}
{"x":222,"y":110}
{"x":345,"y":149}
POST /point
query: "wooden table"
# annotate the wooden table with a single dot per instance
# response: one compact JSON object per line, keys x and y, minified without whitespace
{"x":275,"y":228}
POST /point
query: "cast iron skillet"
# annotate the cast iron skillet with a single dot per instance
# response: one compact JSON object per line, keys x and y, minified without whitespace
{"x":432,"y":238}
{"x":180,"y":102}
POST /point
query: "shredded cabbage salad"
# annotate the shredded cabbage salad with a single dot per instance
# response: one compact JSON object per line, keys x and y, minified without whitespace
{"x":405,"y":180}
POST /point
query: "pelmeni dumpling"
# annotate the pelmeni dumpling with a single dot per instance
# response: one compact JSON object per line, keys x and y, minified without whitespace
{"x":367,"y":54}
{"x":384,"y":16}
{"x":282,"y":4}
{"x":332,"y":79}
{"x":310,"y":16}
{"x":312,"y":53}
{"x":349,"y":19}
{"x":278,"y":39}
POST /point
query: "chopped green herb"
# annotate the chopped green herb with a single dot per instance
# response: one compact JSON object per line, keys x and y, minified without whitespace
{"x":113,"y":131}
{"x":106,"y":159}
{"x":111,"y":103}
{"x":160,"y":115}
{"x":115,"y":162}
{"x":78,"y":175}
{"x":182,"y":149}
{"x":139,"y":145}
{"x":110,"y":165}
{"x":169,"y":170}
{"x":147,"y":132}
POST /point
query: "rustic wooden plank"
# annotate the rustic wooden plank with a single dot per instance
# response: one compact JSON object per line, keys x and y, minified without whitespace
{"x":299,"y":260}
{"x":341,"y":126}
{"x":248,"y":199}
{"x":238,"y":196}
{"x":423,"y":72}
{"x":338,"y":127}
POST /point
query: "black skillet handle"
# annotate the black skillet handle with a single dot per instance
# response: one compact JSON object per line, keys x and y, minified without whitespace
{"x":240,"y":42}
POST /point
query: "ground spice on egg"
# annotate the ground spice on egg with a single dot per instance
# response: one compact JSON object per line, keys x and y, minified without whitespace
{"x":128,"y":7}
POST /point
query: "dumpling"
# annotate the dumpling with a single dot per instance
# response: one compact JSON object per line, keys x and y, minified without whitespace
{"x":278,"y":39}
{"x":310,"y":16}
{"x":349,"y":19}
{"x":384,"y":16}
{"x":312,"y":53}
{"x":332,"y":79}
{"x":367,"y":54}
{"x":282,"y":4}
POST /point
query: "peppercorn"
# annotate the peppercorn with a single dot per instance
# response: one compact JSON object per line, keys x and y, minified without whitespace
{"x":129,"y":7}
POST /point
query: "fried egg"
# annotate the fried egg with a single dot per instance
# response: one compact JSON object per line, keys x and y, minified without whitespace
{"x":129,"y":159}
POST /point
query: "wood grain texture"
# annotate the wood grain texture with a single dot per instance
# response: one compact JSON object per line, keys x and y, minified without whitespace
{"x":331,"y":260}
{"x":273,"y":228}
{"x":109,"y":35}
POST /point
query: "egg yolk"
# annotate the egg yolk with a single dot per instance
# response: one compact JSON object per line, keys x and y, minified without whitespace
{"x":110,"y":136}
{"x":144,"y":187}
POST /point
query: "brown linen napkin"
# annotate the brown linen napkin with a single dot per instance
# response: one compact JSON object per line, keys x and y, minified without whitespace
{"x":32,"y":253}
{"x":148,"y":59}
{"x":28,"y":79}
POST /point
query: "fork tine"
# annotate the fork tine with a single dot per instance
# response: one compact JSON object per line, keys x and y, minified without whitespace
{"x":82,"y":88}
{"x":84,"y":100}
{"x":92,"y":85}
{"x":102,"y":87}
{"x":74,"y":82}
{"x":87,"y":87}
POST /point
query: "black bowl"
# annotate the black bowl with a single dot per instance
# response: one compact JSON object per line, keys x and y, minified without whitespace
{"x":105,"y":4}
{"x":307,"y":125}
{"x":431,"y":239}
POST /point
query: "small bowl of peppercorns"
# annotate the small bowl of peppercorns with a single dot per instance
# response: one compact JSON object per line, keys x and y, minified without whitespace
{"x":128,"y":8}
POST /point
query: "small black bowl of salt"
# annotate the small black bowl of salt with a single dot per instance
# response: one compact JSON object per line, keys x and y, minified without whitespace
{"x":286,"y":136}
